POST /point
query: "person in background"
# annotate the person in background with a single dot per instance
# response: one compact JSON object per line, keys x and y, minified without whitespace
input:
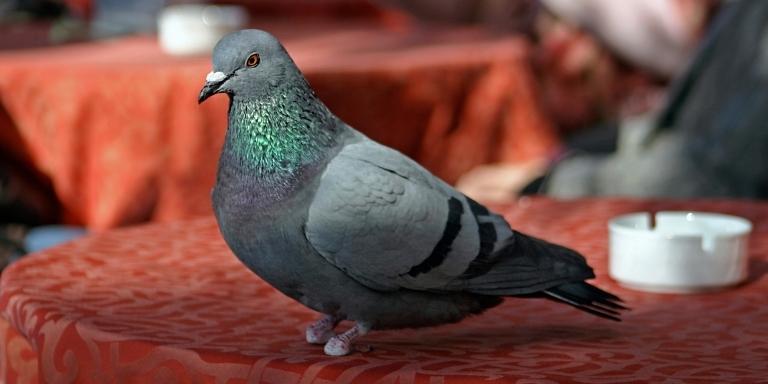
{"x":598,"y":62}
{"x":710,"y":139}
{"x":654,"y":35}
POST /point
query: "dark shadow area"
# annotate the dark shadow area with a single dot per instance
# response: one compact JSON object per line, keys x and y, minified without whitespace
{"x":26,"y":195}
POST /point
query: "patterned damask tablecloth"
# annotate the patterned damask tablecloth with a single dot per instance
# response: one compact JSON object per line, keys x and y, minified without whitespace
{"x":168,"y":303}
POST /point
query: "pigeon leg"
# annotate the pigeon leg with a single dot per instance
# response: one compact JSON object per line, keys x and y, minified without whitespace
{"x":341,"y":344}
{"x":322,"y":330}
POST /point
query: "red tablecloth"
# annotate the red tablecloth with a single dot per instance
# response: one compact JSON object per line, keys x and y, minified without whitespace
{"x":169,"y":303}
{"x":116,"y":127}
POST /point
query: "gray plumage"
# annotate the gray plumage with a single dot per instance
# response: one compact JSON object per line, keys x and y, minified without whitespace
{"x":356,"y":230}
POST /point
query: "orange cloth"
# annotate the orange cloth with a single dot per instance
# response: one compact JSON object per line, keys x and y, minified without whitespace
{"x":169,"y":303}
{"x":116,"y":126}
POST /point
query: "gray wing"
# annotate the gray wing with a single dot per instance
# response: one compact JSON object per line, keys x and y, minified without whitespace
{"x":389,"y":223}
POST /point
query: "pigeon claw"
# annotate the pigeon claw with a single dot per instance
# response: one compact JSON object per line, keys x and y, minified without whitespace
{"x":337,"y":346}
{"x":341,"y":344}
{"x":319,"y":336}
{"x":322,"y":330}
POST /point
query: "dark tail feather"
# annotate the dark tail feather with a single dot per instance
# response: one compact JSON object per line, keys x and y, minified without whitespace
{"x":588,"y":298}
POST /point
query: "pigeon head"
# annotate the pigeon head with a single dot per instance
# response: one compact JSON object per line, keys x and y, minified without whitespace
{"x":250,"y":63}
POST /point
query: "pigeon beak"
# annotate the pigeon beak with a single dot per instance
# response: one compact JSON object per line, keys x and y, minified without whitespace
{"x":213,"y":82}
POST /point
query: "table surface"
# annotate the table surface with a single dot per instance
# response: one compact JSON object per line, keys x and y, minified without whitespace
{"x":163,"y":301}
{"x":116,"y":126}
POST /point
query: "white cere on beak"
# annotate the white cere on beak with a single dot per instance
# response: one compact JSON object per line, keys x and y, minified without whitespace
{"x":215,"y":76}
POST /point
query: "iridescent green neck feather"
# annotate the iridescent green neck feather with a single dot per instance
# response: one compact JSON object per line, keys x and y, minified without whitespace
{"x":275,"y":135}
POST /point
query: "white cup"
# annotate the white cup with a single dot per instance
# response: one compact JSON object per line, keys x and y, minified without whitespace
{"x":194,"y":29}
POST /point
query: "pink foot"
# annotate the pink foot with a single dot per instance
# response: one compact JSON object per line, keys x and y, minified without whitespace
{"x":341,"y":344}
{"x":322,"y":330}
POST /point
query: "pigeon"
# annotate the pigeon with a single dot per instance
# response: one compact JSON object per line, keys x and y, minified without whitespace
{"x":356,"y":230}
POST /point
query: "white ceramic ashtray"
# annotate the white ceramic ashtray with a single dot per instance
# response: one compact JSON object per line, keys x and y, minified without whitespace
{"x":683,"y":252}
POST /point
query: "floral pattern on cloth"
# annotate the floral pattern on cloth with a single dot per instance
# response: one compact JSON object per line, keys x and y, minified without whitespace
{"x":168,"y":302}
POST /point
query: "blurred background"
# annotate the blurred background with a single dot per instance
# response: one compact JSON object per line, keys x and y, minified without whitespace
{"x":100,"y":128}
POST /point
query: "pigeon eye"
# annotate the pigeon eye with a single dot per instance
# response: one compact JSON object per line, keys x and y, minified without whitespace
{"x":253,"y":60}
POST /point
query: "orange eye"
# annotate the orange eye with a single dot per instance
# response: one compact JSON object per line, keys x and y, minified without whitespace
{"x":253,"y":60}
